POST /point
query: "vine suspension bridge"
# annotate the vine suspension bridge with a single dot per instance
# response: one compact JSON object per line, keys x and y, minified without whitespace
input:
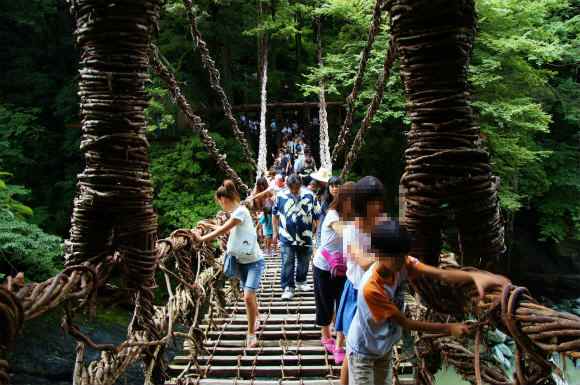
{"x":114,"y":226}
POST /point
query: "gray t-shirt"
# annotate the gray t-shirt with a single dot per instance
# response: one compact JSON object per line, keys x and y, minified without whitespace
{"x":329,"y":240}
{"x":243,"y":239}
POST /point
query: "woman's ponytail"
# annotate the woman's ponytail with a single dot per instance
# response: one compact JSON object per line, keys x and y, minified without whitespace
{"x":228,"y":190}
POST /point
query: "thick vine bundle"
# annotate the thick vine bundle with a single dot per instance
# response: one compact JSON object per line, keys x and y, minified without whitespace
{"x":113,"y":207}
{"x":446,"y":169}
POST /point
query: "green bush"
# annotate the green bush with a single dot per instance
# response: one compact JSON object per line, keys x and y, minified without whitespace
{"x":185,"y":179}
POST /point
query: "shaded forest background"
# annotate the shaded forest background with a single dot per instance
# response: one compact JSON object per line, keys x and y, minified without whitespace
{"x":524,"y":75}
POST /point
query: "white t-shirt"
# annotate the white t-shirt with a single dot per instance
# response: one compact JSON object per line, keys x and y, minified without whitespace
{"x":353,"y":237}
{"x":275,"y":188}
{"x":329,"y":240}
{"x":244,"y":234}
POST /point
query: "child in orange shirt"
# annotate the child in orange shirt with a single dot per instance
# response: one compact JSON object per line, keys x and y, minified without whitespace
{"x":378,"y":323}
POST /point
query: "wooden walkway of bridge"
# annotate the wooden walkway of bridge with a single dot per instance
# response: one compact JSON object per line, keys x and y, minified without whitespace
{"x":289,"y":350}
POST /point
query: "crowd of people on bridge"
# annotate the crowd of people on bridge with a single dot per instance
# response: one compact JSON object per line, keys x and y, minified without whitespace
{"x":360,"y":259}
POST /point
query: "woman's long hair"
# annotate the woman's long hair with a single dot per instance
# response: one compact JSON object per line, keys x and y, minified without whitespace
{"x":324,"y":196}
{"x":343,"y":201}
{"x":261,"y":184}
{"x":228,"y":190}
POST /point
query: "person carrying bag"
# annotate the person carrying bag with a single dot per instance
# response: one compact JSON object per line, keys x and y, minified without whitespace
{"x":243,"y":258}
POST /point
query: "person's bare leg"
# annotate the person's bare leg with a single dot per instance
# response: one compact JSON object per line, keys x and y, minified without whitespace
{"x":340,"y":340}
{"x":325,"y":331}
{"x":344,"y":372}
{"x":251,"y":310}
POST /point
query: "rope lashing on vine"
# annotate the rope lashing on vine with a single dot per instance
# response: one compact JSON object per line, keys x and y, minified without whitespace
{"x":537,"y":330}
{"x":374,"y":29}
{"x":177,"y":96}
{"x":196,"y":267}
{"x":215,"y":83}
{"x":446,"y":168}
{"x":325,"y":158}
{"x":372,"y":109}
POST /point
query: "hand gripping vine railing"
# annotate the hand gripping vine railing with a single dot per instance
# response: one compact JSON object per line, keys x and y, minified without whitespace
{"x":374,"y":29}
{"x":196,"y":272}
{"x":193,"y":277}
{"x":538,"y":331}
{"x":214,"y":81}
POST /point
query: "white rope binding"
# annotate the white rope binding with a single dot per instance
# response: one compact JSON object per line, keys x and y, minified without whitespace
{"x":325,"y":157}
{"x":263,"y":151}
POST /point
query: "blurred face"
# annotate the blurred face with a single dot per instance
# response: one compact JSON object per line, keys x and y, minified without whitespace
{"x":374,"y":209}
{"x":334,"y":189}
{"x":294,"y":188}
{"x":390,"y":264}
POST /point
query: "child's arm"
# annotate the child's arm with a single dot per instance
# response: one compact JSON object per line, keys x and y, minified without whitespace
{"x":482,"y":280}
{"x":453,"y":329}
{"x":382,"y":308}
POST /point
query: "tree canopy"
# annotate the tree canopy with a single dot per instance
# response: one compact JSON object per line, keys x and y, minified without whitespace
{"x":524,"y":74}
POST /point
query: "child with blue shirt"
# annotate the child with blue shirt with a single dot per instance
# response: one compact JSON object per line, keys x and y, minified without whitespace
{"x":265,"y":222}
{"x":379,"y":320}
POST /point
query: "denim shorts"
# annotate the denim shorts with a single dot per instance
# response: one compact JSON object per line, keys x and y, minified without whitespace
{"x":251,"y":274}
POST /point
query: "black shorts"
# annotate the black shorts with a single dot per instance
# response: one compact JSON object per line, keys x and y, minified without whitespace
{"x":327,"y":293}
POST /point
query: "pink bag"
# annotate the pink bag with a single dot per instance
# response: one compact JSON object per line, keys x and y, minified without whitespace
{"x":336,"y":262}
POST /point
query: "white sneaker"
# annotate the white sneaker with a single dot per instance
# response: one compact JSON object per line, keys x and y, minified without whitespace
{"x":303,"y":287}
{"x":288,"y":294}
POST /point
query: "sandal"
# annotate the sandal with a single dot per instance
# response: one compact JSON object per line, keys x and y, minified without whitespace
{"x":329,"y":344}
{"x":251,"y":341}
{"x":338,"y":355}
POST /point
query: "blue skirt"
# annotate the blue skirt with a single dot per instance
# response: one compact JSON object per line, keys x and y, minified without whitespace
{"x":347,"y":308}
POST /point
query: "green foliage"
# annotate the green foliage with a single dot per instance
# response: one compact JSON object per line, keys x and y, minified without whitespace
{"x":185,"y":179}
{"x":24,"y":246}
{"x":522,"y":73}
{"x":156,"y":112}
{"x":8,"y":203}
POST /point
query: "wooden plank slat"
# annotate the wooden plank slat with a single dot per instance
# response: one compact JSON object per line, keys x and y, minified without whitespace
{"x":263,"y":370}
{"x":267,"y":350}
{"x":267,"y":335}
{"x":290,"y":360}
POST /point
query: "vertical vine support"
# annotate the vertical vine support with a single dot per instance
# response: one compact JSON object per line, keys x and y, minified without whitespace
{"x":447,"y":171}
{"x":113,"y":206}
{"x":263,"y":145}
{"x":325,"y":158}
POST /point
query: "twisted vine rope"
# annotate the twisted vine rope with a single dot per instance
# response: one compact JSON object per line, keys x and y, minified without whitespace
{"x":372,"y":109}
{"x":537,"y":330}
{"x":374,"y":29}
{"x":169,"y":78}
{"x":190,"y":267}
{"x":214,"y":81}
